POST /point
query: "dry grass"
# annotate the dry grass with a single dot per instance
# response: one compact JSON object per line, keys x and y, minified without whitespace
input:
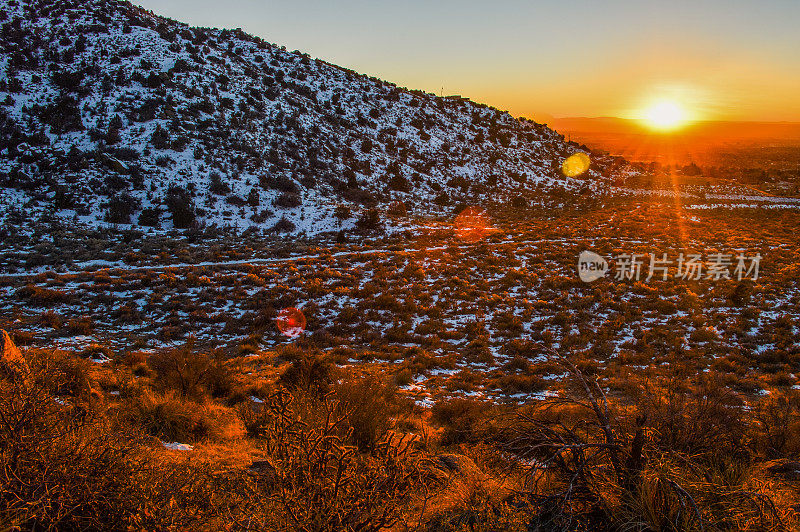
{"x":678,"y":458}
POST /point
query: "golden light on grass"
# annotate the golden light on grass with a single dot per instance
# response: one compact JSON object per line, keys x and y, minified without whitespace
{"x":576,"y":164}
{"x":665,"y":115}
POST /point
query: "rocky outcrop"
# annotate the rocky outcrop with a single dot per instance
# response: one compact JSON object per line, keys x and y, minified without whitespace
{"x":12,"y":364}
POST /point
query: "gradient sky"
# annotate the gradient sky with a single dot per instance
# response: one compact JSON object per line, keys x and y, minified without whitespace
{"x":720,"y":59}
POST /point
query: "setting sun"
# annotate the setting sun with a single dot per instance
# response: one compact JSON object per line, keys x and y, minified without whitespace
{"x":665,"y":115}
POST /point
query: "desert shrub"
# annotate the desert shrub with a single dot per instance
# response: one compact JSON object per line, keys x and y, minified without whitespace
{"x":288,"y":200}
{"x":371,"y":407}
{"x":370,"y":219}
{"x":160,"y":138}
{"x":51,"y":319}
{"x":217,"y":185}
{"x":520,"y":349}
{"x":507,"y":323}
{"x":513,"y":384}
{"x":284,"y":225}
{"x":596,"y":464}
{"x":121,"y":207}
{"x":703,"y":335}
{"x":174,"y":419}
{"x":399,"y":183}
{"x":404,"y":377}
{"x":236,"y":201}
{"x":149,"y":217}
{"x":43,"y":296}
{"x":308,"y":373}
{"x":127,"y":314}
{"x":777,"y":425}
{"x":83,"y":325}
{"x":461,"y":419}
{"x":253,"y":197}
{"x":181,"y":206}
{"x":313,"y":480}
{"x":342,"y":212}
{"x":470,"y":504}
{"x":63,"y":116}
{"x":519,"y":202}
{"x":67,"y":469}
{"x":59,"y":472}
{"x":397,"y":208}
{"x":699,"y":420}
{"x":192,"y":374}
{"x":96,"y":351}
{"x":281,"y":183}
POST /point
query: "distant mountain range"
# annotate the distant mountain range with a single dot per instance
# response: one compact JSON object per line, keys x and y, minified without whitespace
{"x":111,"y":114}
{"x":702,"y":142}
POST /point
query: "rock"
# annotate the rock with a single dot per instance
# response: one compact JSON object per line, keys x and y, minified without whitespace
{"x":116,"y":165}
{"x":456,"y":463}
{"x":12,"y":364}
{"x":262,"y":466}
{"x":265,"y":470}
{"x":787,"y":469}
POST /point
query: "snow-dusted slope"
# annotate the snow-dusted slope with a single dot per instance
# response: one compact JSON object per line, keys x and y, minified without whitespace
{"x":109,"y":113}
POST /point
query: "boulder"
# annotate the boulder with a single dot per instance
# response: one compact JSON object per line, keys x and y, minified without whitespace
{"x":12,"y":364}
{"x":262,"y":466}
{"x":786,"y":469}
{"x":118,"y":166}
{"x":115,"y":164}
{"x":265,"y":470}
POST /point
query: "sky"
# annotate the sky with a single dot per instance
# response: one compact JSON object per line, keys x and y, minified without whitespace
{"x":717,"y":59}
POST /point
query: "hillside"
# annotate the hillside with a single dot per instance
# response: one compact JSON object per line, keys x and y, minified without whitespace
{"x":111,"y":114}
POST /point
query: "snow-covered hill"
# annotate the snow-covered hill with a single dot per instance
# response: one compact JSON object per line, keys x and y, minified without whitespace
{"x":111,"y":114}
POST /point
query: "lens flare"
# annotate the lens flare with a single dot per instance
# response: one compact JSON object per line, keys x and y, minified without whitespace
{"x":472,"y":224}
{"x":576,"y":164}
{"x":291,"y":322}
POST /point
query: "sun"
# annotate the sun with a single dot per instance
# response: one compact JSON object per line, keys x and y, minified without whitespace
{"x":665,"y":115}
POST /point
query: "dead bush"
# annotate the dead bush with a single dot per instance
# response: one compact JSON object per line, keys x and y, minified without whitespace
{"x":371,"y":407}
{"x":65,"y":469}
{"x":594,"y":464}
{"x":175,"y":419}
{"x":193,"y":375}
{"x":314,"y":480}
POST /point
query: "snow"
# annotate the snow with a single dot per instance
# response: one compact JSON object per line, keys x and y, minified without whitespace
{"x":287,"y":119}
{"x":173,"y":446}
